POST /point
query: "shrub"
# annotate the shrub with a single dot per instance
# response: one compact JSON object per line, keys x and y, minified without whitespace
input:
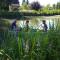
{"x":35,"y":6}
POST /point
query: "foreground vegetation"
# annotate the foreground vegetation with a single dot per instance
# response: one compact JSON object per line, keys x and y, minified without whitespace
{"x":31,"y":45}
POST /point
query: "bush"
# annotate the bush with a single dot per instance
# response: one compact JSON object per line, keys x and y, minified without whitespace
{"x":35,"y":6}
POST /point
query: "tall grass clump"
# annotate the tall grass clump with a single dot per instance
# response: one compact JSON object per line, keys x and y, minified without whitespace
{"x":30,"y":45}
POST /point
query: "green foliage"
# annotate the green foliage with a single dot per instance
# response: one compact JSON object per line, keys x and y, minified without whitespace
{"x":4,"y":23}
{"x":35,"y":6}
{"x":48,"y":10}
{"x":10,"y":15}
{"x":54,"y":6}
{"x":4,"y":6}
{"x":30,"y":45}
{"x":58,"y":5}
{"x":24,"y":7}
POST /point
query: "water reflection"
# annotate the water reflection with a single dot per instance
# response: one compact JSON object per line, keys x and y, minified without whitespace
{"x":36,"y":23}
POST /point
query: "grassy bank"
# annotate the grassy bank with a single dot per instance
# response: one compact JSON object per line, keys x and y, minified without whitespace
{"x":21,"y":15}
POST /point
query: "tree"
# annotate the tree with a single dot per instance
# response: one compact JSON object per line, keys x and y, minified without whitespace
{"x":35,"y":6}
{"x":58,"y":5}
{"x":24,"y":7}
{"x":4,"y":5}
{"x":23,"y":1}
{"x":27,"y":2}
{"x":48,"y":7}
{"x":54,"y":6}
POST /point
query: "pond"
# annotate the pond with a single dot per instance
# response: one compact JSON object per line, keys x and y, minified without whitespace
{"x":36,"y":22}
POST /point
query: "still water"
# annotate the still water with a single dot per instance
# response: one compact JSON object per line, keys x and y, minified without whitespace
{"x":36,"y":22}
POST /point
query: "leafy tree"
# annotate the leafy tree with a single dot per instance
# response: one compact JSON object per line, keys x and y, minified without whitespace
{"x":54,"y":6}
{"x":4,"y":5}
{"x":48,"y":7}
{"x":27,"y":2}
{"x":23,"y":1}
{"x":58,"y":5}
{"x":35,"y":6}
{"x":24,"y":7}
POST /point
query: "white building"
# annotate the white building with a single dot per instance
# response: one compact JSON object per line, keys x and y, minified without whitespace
{"x":14,"y":5}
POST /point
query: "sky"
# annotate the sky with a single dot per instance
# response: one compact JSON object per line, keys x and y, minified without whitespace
{"x":44,"y":2}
